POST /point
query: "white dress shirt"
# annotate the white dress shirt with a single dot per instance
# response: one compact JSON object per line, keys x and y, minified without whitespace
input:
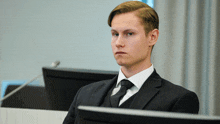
{"x":137,"y":79}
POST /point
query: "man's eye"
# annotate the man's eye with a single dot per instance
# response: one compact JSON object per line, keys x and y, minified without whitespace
{"x":129,"y":34}
{"x":115,"y":34}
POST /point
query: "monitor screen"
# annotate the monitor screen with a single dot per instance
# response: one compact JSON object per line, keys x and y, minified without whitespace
{"x":63,"y":83}
{"x":106,"y":115}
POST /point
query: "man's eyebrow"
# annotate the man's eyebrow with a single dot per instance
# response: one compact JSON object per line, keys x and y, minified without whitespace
{"x":123,"y":31}
{"x":128,"y":30}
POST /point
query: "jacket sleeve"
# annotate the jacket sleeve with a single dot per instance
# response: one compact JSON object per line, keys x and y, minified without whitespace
{"x":71,"y":116}
{"x":187,"y":103}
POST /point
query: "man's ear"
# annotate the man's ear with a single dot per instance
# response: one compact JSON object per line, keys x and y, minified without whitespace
{"x":153,"y":35}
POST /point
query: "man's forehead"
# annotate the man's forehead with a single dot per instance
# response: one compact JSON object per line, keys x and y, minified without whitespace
{"x":125,"y":26}
{"x":125,"y":21}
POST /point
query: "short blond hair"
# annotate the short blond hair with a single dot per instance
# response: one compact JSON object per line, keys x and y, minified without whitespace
{"x":148,"y":15}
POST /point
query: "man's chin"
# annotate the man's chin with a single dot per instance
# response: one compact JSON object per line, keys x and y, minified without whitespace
{"x":122,"y":63}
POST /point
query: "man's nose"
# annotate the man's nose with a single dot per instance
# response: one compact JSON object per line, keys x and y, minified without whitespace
{"x":120,"y":42}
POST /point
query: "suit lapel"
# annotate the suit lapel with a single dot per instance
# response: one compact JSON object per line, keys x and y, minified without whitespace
{"x":147,"y":91}
{"x":100,"y":92}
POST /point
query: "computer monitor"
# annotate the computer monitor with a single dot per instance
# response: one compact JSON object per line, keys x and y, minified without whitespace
{"x":105,"y":115}
{"x":31,"y":97}
{"x":63,"y":83}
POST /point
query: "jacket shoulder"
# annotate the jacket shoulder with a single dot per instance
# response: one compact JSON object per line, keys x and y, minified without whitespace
{"x":95,"y":85}
{"x":180,"y":98}
{"x":173,"y":88}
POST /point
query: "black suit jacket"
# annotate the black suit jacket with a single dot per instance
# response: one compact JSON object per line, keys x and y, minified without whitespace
{"x":155,"y":94}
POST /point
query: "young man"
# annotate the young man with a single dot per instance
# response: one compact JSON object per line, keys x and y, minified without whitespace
{"x":134,"y":28}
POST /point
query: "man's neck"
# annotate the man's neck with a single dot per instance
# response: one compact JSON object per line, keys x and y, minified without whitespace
{"x":130,"y":71}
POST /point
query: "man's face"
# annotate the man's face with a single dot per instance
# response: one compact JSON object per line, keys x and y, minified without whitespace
{"x":130,"y":45}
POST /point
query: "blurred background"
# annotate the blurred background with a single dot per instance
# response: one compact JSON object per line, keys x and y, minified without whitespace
{"x":35,"y":33}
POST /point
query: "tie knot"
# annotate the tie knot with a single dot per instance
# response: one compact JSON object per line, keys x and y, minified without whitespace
{"x":126,"y":83}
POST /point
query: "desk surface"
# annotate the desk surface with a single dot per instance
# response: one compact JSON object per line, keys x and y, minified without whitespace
{"x":30,"y":116}
{"x":37,"y":116}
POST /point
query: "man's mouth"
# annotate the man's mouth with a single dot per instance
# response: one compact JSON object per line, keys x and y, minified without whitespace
{"x":120,"y":52}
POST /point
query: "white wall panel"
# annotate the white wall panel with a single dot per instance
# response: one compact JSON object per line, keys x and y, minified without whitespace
{"x":35,"y":33}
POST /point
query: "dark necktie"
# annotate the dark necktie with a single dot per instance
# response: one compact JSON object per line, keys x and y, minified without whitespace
{"x":125,"y":85}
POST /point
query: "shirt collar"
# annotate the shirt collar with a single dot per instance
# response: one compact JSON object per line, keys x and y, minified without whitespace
{"x":137,"y":79}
